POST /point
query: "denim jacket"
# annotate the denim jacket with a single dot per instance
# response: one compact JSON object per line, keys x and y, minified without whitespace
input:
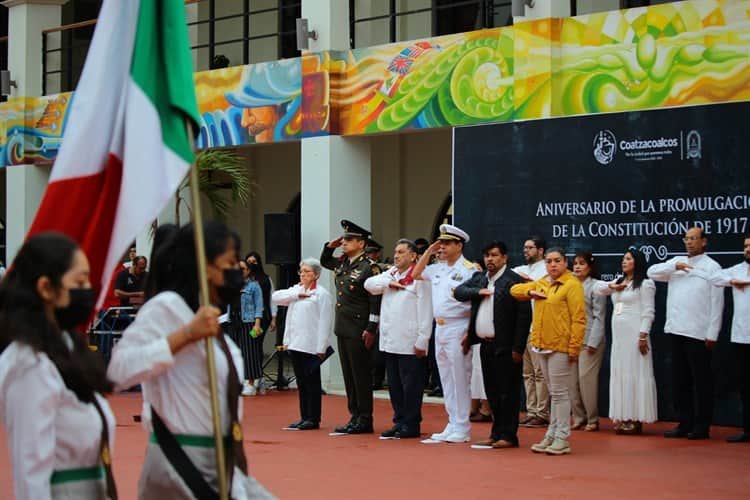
{"x":251,"y":301}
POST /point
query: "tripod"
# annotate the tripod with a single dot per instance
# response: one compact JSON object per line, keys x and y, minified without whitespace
{"x":286,"y":273}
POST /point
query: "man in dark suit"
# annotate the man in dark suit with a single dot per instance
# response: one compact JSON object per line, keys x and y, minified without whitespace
{"x":356,"y":322}
{"x":501,"y":325}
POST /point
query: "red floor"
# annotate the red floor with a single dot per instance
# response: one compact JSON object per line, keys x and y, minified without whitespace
{"x":312,"y":464}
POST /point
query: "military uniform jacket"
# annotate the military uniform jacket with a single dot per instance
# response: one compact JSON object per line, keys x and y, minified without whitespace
{"x":356,"y":309}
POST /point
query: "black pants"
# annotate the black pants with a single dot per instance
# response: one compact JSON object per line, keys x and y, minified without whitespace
{"x":406,"y":387}
{"x":692,"y":380}
{"x":308,"y":385}
{"x":378,"y":365}
{"x":502,"y":383}
{"x":357,"y":370}
{"x":743,"y":364}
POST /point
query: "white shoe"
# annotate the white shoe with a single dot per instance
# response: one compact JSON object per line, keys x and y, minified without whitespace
{"x":458,"y":437}
{"x":441,"y":436}
{"x":248,"y":389}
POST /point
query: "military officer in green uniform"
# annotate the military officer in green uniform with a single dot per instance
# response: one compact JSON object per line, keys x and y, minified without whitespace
{"x":356,"y":322}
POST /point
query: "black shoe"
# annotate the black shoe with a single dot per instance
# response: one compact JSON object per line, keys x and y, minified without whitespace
{"x":295,"y":425}
{"x":437,"y":392}
{"x":377,"y":386}
{"x":361,"y":428}
{"x":344,"y":429}
{"x":391,"y":433}
{"x":677,"y":432}
{"x":696,"y":435}
{"x":405,"y":434}
{"x":308,"y":425}
{"x":742,"y":437}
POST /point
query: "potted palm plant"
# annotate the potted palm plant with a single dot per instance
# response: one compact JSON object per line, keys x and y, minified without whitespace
{"x":222,"y":179}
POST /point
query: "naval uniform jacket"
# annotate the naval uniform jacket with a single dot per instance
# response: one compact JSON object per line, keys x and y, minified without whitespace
{"x":511,"y":318}
{"x":356,"y":309}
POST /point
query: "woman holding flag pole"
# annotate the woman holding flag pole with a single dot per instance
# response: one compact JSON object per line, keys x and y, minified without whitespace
{"x":163,"y":351}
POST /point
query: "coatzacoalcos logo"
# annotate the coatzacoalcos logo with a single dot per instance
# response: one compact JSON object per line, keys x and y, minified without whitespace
{"x":605,"y":147}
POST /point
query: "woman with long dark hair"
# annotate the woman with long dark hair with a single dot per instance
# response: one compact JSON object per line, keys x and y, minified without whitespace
{"x":268,"y":319}
{"x":632,"y":387}
{"x":584,"y":386}
{"x":163,"y":350}
{"x":245,"y":329}
{"x":60,"y":428}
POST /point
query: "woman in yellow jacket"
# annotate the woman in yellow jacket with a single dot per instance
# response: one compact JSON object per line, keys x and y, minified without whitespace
{"x":556,"y":336}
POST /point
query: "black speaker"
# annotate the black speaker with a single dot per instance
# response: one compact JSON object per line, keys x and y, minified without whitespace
{"x":282,"y":238}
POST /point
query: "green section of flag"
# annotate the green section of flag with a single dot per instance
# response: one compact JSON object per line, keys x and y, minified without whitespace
{"x":163,"y":68}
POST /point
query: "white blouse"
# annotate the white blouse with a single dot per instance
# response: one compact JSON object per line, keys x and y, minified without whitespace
{"x":175,"y":385}
{"x":308,"y":320}
{"x":49,"y":428}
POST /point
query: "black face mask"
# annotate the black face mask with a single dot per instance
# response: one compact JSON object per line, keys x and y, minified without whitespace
{"x":232,"y":287}
{"x":254,"y":268}
{"x":82,"y":302}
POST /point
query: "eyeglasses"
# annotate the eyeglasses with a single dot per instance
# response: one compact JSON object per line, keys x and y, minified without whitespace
{"x":527,"y":247}
{"x":305,"y":271}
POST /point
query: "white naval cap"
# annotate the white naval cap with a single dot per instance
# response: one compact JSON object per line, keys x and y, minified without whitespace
{"x":451,"y":232}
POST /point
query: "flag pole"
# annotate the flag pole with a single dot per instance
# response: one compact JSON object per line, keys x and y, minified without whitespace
{"x":200,"y":255}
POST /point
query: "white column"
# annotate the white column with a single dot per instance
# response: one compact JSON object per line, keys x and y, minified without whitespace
{"x":330,"y":19}
{"x":545,"y":8}
{"x":335,"y":185}
{"x":335,"y":175}
{"x":26,"y":20}
{"x":25,"y":188}
{"x":26,"y":183}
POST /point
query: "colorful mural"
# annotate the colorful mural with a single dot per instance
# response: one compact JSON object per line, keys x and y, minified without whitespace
{"x":665,"y":55}
{"x":31,"y":129}
{"x":677,"y":54}
{"x":250,"y":104}
{"x":452,"y":80}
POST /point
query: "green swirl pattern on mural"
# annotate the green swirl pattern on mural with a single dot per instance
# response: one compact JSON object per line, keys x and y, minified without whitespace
{"x":641,"y":75}
{"x":467,"y":83}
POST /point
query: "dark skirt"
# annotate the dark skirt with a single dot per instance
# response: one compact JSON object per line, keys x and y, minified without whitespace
{"x":252,"y":348}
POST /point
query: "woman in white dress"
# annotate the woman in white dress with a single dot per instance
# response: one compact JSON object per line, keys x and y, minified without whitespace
{"x":60,"y":429}
{"x":632,"y":387}
{"x":163,"y":350}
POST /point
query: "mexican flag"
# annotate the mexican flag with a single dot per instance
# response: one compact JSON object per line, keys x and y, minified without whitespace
{"x":125,"y":148}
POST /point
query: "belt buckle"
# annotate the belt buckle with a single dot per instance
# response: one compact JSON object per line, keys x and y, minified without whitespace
{"x":440,"y":321}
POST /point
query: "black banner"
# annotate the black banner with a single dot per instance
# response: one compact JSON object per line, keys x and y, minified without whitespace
{"x":608,"y":182}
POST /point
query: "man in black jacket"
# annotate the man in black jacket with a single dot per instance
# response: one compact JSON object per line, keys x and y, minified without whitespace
{"x":501,"y":325}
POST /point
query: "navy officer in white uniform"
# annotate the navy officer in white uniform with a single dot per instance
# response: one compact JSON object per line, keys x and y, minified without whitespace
{"x":452,"y":323}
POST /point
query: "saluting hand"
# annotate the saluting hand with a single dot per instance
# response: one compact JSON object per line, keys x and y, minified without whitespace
{"x":335,"y":243}
{"x":434,"y":248}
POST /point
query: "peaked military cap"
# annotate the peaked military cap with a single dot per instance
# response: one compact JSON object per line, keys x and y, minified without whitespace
{"x":373,"y":246}
{"x":351,"y":230}
{"x":451,"y":232}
